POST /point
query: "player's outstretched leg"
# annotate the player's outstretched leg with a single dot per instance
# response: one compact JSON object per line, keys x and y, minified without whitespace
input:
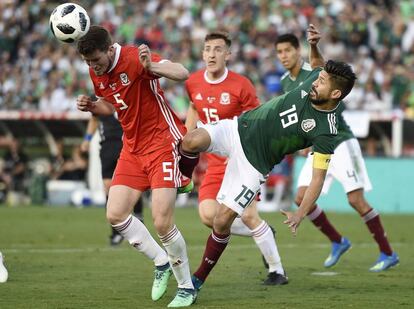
{"x":387,"y":258}
{"x":371,"y":217}
{"x":337,"y":250}
{"x":139,"y":237}
{"x":3,"y":271}
{"x":264,"y":237}
{"x":175,"y":246}
{"x":216,"y":244}
{"x":159,"y":286}
{"x":188,"y":161}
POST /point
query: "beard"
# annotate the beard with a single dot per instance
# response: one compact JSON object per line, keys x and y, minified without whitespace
{"x":317,"y":101}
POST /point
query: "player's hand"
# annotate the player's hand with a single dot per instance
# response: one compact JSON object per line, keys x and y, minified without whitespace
{"x":293,"y":220}
{"x":313,"y":35}
{"x":145,"y":56}
{"x":85,"y":103}
{"x":84,"y":147}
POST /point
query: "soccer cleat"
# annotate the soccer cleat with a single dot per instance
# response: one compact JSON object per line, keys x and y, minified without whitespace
{"x":186,"y":189}
{"x":183,"y":298}
{"x":266,"y":265}
{"x":385,"y":261}
{"x":275,"y":278}
{"x":159,"y":286}
{"x":3,"y":271}
{"x":337,"y":250}
{"x":198,"y":284}
{"x":115,"y":239}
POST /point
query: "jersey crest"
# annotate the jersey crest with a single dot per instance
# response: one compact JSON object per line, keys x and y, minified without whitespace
{"x":308,"y":124}
{"x":225,"y":98}
{"x":124,"y":79}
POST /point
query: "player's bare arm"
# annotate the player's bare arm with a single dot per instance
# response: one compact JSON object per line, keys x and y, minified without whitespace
{"x":312,"y":193}
{"x":171,"y":70}
{"x":313,"y":37}
{"x":90,"y":131}
{"x":98,"y":107}
{"x":192,"y":118}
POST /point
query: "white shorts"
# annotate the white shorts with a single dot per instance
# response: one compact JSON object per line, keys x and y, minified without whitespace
{"x":347,"y":166}
{"x":241,"y":181}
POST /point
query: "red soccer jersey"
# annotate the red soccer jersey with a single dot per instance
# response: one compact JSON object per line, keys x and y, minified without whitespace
{"x":224,"y":98}
{"x":146,"y":119}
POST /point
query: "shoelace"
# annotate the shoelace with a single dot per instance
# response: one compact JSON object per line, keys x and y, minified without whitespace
{"x":159,"y":274}
{"x":182,"y":293}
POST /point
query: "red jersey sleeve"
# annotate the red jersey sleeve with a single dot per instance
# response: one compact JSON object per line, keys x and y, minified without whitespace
{"x":248,"y":96}
{"x":145,"y":74}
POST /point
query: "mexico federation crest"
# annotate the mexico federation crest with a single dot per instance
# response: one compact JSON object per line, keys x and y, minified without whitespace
{"x":225,"y":98}
{"x":124,"y":79}
{"x":308,"y":124}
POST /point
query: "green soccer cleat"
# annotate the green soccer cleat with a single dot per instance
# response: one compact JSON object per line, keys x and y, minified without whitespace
{"x":186,"y":189}
{"x":183,"y":298}
{"x":159,"y":286}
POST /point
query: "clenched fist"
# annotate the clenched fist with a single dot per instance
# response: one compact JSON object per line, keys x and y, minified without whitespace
{"x":85,"y":103}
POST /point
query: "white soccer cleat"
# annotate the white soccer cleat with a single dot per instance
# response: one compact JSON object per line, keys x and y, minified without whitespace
{"x":3,"y":271}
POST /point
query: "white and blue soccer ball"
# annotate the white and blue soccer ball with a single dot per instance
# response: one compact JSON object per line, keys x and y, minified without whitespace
{"x":69,"y":22}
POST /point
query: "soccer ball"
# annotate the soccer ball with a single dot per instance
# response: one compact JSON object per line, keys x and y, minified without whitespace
{"x":69,"y":22}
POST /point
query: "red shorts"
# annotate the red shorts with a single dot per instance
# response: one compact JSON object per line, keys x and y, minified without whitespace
{"x":158,"y":169}
{"x":211,"y":185}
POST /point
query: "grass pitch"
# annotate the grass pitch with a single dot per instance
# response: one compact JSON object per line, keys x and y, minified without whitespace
{"x":60,"y":258}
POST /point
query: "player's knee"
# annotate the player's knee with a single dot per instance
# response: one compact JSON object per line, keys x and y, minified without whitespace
{"x":190,"y":142}
{"x":220,"y":224}
{"x":162,"y":226}
{"x":250,"y":218}
{"x":358,"y":202}
{"x":114,"y":217}
{"x":196,"y":141}
{"x":207,"y":219}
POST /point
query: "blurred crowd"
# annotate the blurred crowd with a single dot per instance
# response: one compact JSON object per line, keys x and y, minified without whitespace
{"x":375,"y":36}
{"x":37,"y":73}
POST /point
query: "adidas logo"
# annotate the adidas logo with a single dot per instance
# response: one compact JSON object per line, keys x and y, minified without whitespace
{"x":177,"y":263}
{"x":199,"y":96}
{"x":303,"y":94}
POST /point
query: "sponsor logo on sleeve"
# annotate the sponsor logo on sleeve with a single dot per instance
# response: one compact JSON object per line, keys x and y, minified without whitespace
{"x":308,"y":124}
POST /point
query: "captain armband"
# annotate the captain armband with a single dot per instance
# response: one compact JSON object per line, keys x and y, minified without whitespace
{"x":321,"y":160}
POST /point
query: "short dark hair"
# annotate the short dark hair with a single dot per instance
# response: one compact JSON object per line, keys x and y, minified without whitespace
{"x":224,"y":35}
{"x":288,"y":38}
{"x":341,"y":75}
{"x":97,"y":38}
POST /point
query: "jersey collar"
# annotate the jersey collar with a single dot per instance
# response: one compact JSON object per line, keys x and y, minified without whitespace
{"x":117,"y":53}
{"x":304,"y":64}
{"x":218,"y":81}
{"x":327,"y":111}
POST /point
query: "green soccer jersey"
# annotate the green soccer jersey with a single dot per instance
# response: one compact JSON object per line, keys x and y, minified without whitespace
{"x":289,"y":83}
{"x":286,"y":124}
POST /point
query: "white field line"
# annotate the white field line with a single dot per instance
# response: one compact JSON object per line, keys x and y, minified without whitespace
{"x":29,"y":248}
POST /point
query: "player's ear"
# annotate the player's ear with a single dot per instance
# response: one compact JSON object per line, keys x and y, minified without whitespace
{"x":228,"y":55}
{"x":111,"y":50}
{"x":336,"y":94}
